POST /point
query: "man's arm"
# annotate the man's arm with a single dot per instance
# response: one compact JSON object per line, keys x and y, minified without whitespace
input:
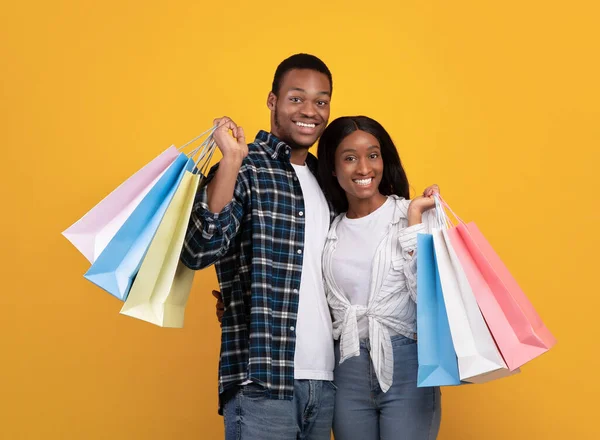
{"x":234,"y":149}
{"x":219,"y":207}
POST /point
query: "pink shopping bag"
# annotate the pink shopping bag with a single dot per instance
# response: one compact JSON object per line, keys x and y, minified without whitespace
{"x":516,"y":327}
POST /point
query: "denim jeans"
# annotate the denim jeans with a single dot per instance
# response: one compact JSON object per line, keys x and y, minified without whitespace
{"x":250,"y":415}
{"x":404,"y":412}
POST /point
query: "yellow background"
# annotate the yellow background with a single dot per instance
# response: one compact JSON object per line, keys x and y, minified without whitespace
{"x":495,"y":101}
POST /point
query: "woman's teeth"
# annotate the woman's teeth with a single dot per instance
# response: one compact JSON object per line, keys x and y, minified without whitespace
{"x":363,"y":182}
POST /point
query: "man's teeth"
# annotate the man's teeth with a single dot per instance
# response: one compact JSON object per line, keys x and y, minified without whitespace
{"x":302,"y":124}
{"x":364,"y":182}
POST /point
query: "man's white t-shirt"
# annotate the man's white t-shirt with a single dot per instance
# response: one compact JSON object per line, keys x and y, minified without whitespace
{"x":314,"y":357}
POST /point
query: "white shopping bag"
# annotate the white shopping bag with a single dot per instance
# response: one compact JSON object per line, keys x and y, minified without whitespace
{"x":478,"y":357}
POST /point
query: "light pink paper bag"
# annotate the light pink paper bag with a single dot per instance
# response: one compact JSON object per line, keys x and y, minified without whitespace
{"x":94,"y":230}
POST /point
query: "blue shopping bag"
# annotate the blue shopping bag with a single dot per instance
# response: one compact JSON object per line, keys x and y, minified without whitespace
{"x":117,"y":266}
{"x":438,"y":364}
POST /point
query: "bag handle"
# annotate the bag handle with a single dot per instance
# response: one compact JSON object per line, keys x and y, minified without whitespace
{"x":204,"y":151}
{"x":441,"y":206}
{"x":210,"y":130}
{"x":206,"y":155}
{"x":441,"y":218}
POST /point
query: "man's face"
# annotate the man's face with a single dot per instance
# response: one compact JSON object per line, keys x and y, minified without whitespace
{"x":301,"y":111}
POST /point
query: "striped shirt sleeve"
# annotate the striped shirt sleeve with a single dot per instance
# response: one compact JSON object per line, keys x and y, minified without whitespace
{"x":408,"y":243}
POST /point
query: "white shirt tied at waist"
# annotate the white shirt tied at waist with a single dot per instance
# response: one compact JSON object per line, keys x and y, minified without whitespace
{"x":382,"y":354}
{"x":391,"y":306}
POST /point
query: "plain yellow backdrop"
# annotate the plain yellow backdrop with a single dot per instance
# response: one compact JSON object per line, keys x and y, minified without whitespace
{"x":497,"y":102}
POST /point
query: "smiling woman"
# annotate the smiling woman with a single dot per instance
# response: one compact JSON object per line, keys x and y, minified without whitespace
{"x":362,"y":175}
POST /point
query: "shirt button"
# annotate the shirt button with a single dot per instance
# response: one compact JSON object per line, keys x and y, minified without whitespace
{"x":295,"y":179}
{"x":301,"y":213}
{"x":292,"y":328}
{"x":295,"y":290}
{"x":299,"y":251}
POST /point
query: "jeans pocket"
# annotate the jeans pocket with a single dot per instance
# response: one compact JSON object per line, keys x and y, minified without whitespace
{"x":400,"y":340}
{"x":331,"y":384}
{"x":253,"y":391}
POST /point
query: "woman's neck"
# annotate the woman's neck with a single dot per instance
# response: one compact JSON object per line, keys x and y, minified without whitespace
{"x":358,"y":208}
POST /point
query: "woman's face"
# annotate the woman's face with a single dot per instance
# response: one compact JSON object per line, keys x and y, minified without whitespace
{"x":359,"y":166}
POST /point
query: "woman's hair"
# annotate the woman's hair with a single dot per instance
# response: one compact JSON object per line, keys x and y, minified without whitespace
{"x":394,"y":180}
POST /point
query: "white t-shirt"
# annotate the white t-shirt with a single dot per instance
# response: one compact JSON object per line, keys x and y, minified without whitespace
{"x":358,"y":239}
{"x":314,"y":357}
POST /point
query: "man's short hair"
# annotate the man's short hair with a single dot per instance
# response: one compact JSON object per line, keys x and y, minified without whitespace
{"x":300,"y":61}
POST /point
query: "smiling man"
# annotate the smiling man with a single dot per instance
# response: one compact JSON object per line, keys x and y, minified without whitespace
{"x":263,"y":220}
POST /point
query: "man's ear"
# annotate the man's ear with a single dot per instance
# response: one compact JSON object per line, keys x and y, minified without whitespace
{"x":271,"y":101}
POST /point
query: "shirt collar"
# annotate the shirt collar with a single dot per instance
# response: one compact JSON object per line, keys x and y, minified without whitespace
{"x":272,"y":145}
{"x":277,"y":149}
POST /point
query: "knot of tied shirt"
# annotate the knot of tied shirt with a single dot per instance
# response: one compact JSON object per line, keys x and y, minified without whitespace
{"x":382,"y":354}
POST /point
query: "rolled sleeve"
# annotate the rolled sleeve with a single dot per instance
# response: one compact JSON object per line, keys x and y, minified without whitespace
{"x":408,"y":239}
{"x":213,"y":223}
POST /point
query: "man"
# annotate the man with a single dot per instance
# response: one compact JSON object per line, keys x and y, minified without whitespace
{"x":262,"y":219}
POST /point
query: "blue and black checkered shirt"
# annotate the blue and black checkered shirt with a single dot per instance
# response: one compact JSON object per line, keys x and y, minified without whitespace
{"x":256,"y":243}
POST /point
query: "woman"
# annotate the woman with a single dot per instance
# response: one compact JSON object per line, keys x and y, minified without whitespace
{"x":369,"y":266}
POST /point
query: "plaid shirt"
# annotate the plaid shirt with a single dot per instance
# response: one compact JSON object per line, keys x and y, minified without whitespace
{"x":256,"y":243}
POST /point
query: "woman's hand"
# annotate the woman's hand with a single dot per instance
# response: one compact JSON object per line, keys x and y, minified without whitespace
{"x":420,"y":204}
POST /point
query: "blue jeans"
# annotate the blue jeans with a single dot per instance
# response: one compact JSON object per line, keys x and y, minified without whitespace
{"x":250,"y":415}
{"x":404,"y":412}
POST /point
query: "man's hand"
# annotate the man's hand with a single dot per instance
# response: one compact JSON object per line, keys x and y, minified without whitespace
{"x":220,"y":306}
{"x":233,"y":148}
{"x":220,"y":190}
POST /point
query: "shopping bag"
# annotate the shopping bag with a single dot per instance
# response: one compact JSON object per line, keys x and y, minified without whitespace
{"x":478,"y":357}
{"x":516,"y":327}
{"x":161,"y":288}
{"x":117,"y":265}
{"x":92,"y":233}
{"x":436,"y":356}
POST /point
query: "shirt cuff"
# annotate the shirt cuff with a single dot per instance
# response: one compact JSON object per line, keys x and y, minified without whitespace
{"x":408,"y":238}
{"x":213,"y":222}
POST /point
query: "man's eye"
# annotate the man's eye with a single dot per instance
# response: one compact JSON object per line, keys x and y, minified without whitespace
{"x":295,"y":99}
{"x":322,"y":103}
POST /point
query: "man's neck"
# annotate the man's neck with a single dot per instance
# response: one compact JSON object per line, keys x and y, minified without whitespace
{"x":298,"y":156}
